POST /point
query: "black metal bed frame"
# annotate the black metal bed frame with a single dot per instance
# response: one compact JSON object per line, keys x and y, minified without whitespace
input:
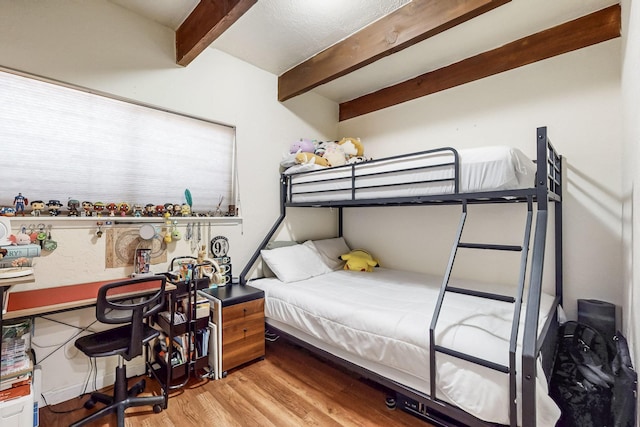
{"x":547,"y":188}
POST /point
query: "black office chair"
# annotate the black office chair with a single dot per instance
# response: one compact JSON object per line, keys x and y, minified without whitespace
{"x":124,"y":341}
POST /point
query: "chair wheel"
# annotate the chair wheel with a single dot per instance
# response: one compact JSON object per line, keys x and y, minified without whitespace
{"x":89,"y":404}
{"x":157,"y":409}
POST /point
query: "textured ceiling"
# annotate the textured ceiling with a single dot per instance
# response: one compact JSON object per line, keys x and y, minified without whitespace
{"x":276,"y":35}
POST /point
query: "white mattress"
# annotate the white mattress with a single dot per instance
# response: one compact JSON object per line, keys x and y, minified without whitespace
{"x":380,"y":321}
{"x":481,"y":169}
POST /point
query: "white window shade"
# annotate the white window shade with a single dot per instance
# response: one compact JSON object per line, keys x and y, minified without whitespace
{"x":63,"y":143}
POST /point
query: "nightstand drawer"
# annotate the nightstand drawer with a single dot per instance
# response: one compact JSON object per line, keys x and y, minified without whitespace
{"x":245,"y":330}
{"x":240,"y":352}
{"x":245,"y":311}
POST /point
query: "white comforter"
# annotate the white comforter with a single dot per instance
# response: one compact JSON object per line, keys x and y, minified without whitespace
{"x":381,"y":321}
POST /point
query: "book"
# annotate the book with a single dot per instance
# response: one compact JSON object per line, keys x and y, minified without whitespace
{"x":17,"y":390}
{"x":19,"y":251}
{"x":16,"y":343}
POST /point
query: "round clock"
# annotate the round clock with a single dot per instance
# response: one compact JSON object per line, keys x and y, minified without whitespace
{"x":5,"y":231}
{"x":219,"y":246}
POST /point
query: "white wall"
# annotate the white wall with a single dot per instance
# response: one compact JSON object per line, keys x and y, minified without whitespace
{"x":577,"y":96}
{"x":631,"y":181}
{"x":104,"y":47}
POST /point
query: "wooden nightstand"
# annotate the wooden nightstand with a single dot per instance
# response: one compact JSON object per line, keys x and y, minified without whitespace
{"x":238,"y":313}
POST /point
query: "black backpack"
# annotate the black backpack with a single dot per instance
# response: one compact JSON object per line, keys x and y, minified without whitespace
{"x":582,"y":380}
{"x":623,"y":401}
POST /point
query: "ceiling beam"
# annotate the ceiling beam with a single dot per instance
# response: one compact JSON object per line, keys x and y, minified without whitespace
{"x":408,"y":25}
{"x":206,"y":23}
{"x":591,"y":29}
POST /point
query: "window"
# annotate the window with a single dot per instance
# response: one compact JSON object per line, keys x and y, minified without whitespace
{"x":60,"y":142}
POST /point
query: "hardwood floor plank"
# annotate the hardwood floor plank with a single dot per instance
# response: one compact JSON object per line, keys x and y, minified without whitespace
{"x":290,"y":387}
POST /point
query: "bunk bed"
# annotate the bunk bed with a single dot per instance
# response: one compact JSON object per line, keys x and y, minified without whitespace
{"x":434,"y":342}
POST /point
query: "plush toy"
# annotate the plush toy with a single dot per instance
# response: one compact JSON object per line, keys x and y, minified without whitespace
{"x":357,"y":159}
{"x":321,"y":147}
{"x":306,"y":158}
{"x":334,"y":154}
{"x":302,"y":146}
{"x":359,"y":260}
{"x":352,"y":147}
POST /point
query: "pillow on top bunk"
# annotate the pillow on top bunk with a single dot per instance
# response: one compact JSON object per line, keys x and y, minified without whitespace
{"x":330,"y":251}
{"x":296,"y":262}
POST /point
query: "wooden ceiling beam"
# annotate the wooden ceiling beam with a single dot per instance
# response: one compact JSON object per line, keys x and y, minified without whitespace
{"x":206,"y":23}
{"x":591,"y":29}
{"x":408,"y":25}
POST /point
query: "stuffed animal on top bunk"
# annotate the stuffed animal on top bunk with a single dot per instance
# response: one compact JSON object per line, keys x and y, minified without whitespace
{"x":359,"y":260}
{"x":352,"y":147}
{"x":307,"y":158}
{"x":302,"y":145}
{"x":304,"y":152}
{"x":334,"y":154}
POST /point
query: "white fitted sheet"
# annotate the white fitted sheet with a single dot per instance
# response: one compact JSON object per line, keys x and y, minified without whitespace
{"x":380,"y":321}
{"x":481,"y":169}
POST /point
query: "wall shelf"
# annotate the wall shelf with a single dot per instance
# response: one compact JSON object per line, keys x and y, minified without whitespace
{"x":79,"y":222}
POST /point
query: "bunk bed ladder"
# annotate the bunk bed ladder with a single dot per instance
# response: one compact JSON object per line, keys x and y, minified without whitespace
{"x":515,"y":300}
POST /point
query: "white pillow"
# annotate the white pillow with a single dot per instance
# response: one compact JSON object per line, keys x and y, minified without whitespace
{"x":330,"y":251}
{"x":294,"y":263}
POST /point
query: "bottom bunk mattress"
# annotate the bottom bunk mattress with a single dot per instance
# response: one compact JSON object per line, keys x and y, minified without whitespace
{"x":380,"y":321}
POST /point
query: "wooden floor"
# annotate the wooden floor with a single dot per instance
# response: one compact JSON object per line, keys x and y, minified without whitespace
{"x":289,"y":387}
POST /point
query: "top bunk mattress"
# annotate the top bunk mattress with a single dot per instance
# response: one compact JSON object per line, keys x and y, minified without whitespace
{"x":420,"y":174}
{"x":380,"y":320}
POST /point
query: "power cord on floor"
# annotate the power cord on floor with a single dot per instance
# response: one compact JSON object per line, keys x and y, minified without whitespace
{"x":53,"y":411}
{"x":270,"y":336}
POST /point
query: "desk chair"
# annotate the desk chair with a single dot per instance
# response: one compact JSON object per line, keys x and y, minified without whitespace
{"x":125,"y":341}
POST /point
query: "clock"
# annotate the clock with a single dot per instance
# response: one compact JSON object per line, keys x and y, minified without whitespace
{"x":219,"y":246}
{"x":5,"y":231}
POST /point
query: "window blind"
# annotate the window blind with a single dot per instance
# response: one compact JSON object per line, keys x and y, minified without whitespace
{"x":60,"y":143}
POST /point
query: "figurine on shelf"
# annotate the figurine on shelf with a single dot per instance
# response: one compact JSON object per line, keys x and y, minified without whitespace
{"x":149,"y":209}
{"x":74,"y":206}
{"x":159,"y":210}
{"x":99,"y":208}
{"x":87,"y":208}
{"x":168,"y":209}
{"x":54,"y":207}
{"x":111,"y":208}
{"x":18,"y":202}
{"x":123,"y":208}
{"x":37,"y":206}
{"x":137,"y":210}
{"x":185,"y":210}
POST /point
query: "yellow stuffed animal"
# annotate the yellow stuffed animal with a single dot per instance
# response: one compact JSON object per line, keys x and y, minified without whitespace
{"x":359,"y":260}
{"x":352,"y":147}
{"x":305,"y":158}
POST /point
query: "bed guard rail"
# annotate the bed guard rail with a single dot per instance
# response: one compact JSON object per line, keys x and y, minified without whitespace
{"x":347,"y":182}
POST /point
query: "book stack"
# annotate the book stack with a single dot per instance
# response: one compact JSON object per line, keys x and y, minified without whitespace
{"x":18,"y":260}
{"x":16,"y":367}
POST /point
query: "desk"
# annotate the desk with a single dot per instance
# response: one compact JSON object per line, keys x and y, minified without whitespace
{"x":62,"y":298}
{"x":37,"y":302}
{"x":6,"y":284}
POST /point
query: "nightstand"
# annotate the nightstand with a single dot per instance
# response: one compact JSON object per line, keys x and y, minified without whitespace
{"x":237,"y":311}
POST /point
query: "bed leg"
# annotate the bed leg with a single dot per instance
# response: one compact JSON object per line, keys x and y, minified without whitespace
{"x":390,"y":401}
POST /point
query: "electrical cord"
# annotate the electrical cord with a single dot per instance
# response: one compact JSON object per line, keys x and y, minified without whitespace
{"x":59,"y":346}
